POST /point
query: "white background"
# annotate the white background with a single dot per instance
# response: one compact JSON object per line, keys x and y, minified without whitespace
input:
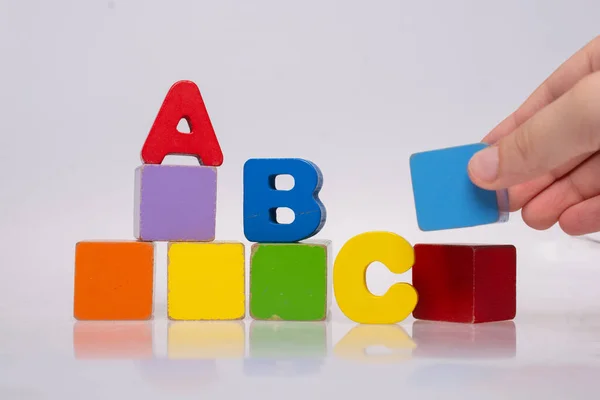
{"x":355,"y":86}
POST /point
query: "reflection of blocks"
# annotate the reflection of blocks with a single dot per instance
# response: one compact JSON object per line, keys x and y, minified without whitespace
{"x":113,"y":280}
{"x":465,"y":283}
{"x":107,"y":340}
{"x":175,"y":203}
{"x":354,"y":346}
{"x":288,"y":340}
{"x":286,"y":348}
{"x":444,"y":195}
{"x":206,"y":340}
{"x":206,"y":281}
{"x":448,"y":340}
{"x":290,"y":281}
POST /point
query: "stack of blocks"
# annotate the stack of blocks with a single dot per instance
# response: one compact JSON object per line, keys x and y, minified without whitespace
{"x":290,"y":273}
{"x":176,"y":204}
{"x":289,"y":279}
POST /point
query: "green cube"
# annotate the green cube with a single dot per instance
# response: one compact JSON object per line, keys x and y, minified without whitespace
{"x":290,"y":281}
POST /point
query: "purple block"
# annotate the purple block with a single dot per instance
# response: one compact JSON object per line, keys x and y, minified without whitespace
{"x":175,"y":203}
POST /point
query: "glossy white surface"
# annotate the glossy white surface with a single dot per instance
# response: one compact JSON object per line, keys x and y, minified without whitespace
{"x":543,"y":356}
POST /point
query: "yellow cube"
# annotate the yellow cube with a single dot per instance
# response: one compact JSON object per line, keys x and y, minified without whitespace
{"x":206,"y":281}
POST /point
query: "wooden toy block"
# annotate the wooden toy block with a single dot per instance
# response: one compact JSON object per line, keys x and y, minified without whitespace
{"x":183,"y":101}
{"x":464,"y":341}
{"x":175,"y":203}
{"x":290,"y":281}
{"x":288,"y":340}
{"x":113,"y":280}
{"x":445,"y":197}
{"x":465,"y":283}
{"x":206,"y":340}
{"x":354,"y":345}
{"x":262,"y":199}
{"x":112,"y":340}
{"x":206,"y":281}
{"x":350,"y":284}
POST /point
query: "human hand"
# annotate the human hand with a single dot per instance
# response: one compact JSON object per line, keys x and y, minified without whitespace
{"x":547,"y":153}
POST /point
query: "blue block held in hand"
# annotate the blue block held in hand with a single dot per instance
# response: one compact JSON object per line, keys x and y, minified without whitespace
{"x":444,"y":195}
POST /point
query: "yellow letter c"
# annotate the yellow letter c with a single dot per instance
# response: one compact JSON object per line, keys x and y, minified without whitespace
{"x":350,"y":283}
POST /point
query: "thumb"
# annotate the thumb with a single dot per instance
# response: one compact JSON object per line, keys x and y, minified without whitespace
{"x":567,"y":128}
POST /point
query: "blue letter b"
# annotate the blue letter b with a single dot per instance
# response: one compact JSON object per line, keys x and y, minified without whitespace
{"x":262,"y":199}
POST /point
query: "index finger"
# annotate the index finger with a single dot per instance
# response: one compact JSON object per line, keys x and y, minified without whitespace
{"x":580,"y":64}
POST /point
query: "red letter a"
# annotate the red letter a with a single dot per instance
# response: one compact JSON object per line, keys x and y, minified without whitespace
{"x":183,"y":101}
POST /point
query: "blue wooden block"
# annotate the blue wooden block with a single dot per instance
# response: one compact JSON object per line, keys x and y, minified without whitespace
{"x":261,"y":200}
{"x":445,"y":197}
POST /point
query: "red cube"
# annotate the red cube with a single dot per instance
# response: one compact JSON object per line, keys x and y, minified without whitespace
{"x":465,"y":283}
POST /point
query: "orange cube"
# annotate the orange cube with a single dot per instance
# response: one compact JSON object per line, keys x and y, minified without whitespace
{"x":113,"y":280}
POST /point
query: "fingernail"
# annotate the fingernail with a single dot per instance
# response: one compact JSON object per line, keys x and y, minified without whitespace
{"x":484,"y":165}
